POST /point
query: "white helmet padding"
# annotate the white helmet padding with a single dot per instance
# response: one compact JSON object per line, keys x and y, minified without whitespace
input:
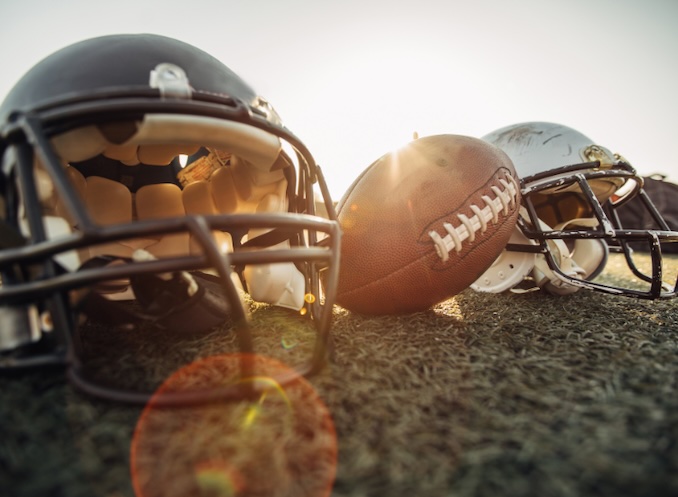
{"x":281,"y":283}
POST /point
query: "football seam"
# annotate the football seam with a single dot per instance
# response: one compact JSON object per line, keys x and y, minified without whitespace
{"x":466,"y":230}
{"x":388,"y":276}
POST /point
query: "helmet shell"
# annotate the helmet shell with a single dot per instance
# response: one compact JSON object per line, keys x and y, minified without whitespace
{"x":536,"y":147}
{"x":115,"y":64}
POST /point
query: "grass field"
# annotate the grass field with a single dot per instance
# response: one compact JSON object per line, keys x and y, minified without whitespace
{"x":483,"y":395}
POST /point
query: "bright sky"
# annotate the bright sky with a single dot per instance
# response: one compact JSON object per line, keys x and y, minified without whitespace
{"x":355,"y":78}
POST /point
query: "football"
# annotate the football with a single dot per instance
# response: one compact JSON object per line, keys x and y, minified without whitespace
{"x":422,"y":223}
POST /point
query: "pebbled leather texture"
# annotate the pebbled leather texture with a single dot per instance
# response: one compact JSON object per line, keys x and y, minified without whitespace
{"x":389,"y":263}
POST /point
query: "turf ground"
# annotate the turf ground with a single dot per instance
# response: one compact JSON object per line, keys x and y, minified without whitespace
{"x":483,"y":395}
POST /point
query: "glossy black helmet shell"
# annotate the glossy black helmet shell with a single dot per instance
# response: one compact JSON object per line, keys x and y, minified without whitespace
{"x":116,"y":64}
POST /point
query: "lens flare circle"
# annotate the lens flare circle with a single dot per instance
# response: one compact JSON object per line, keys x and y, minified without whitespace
{"x":282,"y":443}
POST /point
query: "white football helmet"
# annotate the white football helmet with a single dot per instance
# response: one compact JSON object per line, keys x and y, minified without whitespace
{"x":571,"y":188}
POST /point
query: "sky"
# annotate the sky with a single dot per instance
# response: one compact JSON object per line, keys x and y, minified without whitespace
{"x":354,"y":79}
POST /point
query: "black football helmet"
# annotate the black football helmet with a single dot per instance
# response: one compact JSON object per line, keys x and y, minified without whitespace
{"x":572,"y":190}
{"x":139,"y":169}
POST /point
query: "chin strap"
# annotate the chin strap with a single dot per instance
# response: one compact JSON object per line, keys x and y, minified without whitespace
{"x":179,"y":302}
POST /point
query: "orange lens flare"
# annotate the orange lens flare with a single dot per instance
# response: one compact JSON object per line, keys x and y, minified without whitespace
{"x":255,"y":446}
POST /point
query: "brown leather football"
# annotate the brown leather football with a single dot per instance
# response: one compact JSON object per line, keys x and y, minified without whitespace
{"x":424,"y":222}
